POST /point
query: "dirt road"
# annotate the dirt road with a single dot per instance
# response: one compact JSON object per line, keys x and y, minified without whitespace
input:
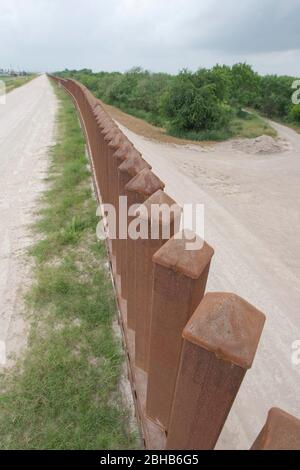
{"x":252,"y":219}
{"x":26,"y":131}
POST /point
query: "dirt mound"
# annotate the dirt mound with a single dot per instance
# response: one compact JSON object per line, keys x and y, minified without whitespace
{"x":260,"y":145}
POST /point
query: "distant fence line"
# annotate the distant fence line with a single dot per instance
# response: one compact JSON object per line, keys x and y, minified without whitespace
{"x":188,"y":351}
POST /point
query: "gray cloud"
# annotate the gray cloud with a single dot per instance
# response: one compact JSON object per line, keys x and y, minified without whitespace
{"x":252,"y":26}
{"x":156,"y":34}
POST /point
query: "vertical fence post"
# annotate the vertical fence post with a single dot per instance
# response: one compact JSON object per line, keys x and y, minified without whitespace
{"x":101,"y":120}
{"x":281,"y":432}
{"x":162,"y":215}
{"x":119,"y":148}
{"x":119,"y":157}
{"x":107,"y":134}
{"x":131,"y":167}
{"x":120,"y":154}
{"x":220,"y":342}
{"x":90,"y":123}
{"x":109,"y":137}
{"x":96,"y":156}
{"x":137,"y":191}
{"x":115,"y":144}
{"x":179,"y":281}
{"x":89,"y":120}
{"x":104,"y":126}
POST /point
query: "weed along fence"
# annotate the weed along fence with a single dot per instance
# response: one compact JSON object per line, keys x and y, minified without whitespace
{"x":188,"y":351}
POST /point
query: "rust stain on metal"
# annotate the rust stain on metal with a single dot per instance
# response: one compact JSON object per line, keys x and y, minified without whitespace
{"x":133,"y":164}
{"x":174,"y":255}
{"x":281,"y":432}
{"x":145,"y":183}
{"x":228,"y":326}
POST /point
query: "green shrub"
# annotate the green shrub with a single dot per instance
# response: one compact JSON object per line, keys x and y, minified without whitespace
{"x":192,"y":108}
{"x":275,"y":95}
{"x":294,"y":113}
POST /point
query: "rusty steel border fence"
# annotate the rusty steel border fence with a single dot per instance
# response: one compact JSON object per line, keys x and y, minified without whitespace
{"x":187,"y":351}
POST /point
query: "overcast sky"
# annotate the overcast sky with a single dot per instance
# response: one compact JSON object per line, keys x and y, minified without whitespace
{"x":160,"y":35}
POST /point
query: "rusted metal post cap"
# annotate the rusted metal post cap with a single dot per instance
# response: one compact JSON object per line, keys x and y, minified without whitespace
{"x":97,"y":105}
{"x":133,"y":164}
{"x":123,"y":151}
{"x":91,"y":99}
{"x":175,"y":256}
{"x":110,"y":135}
{"x":104,"y":124}
{"x":99,"y":111}
{"x":101,"y":116}
{"x":145,"y":183}
{"x":281,"y":432}
{"x":228,"y":326}
{"x":117,"y":141}
{"x":109,"y":126}
{"x":161,"y":199}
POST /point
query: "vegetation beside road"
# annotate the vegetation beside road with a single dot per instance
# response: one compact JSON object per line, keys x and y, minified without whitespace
{"x":203,"y":105}
{"x":15,"y":82}
{"x":63,"y":394}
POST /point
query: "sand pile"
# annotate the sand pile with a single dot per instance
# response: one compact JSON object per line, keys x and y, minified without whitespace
{"x":260,"y":145}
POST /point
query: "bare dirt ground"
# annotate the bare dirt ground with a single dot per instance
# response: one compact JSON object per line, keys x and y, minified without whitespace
{"x":26,"y":132}
{"x":141,"y":127}
{"x":252,"y":219}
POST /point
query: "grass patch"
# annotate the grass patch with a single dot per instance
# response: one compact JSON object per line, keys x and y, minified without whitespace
{"x":242,"y":126}
{"x":15,"y":82}
{"x":250,"y":126}
{"x":205,"y":135}
{"x":284,"y":121}
{"x":63,"y":394}
{"x":147,"y":116}
{"x":292,"y":125}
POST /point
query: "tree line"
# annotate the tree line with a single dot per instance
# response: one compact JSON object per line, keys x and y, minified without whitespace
{"x":202,"y":103}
